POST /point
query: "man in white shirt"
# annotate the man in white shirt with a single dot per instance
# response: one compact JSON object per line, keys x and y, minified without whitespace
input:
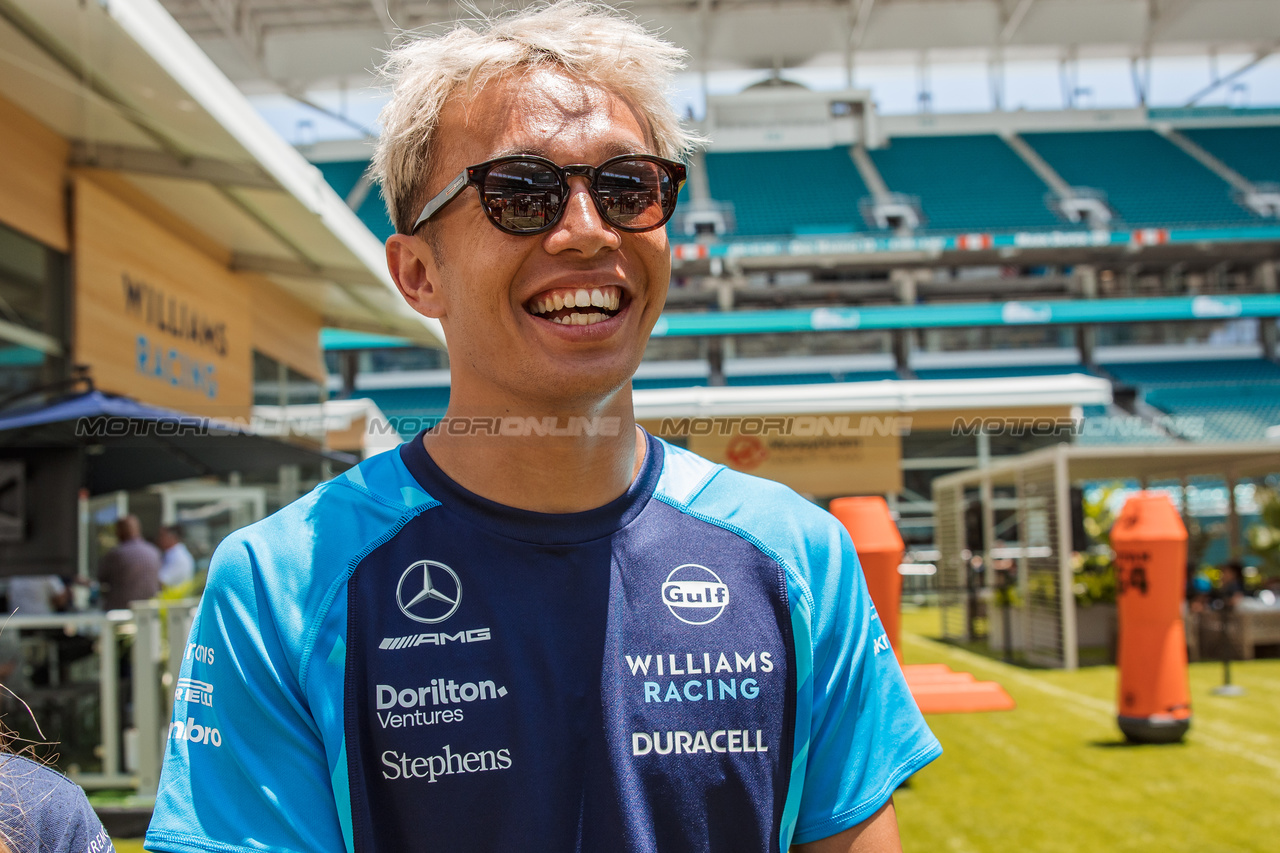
{"x":37,"y":595}
{"x":177,"y":566}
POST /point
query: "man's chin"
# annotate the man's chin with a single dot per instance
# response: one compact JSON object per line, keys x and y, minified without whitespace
{"x":584,"y":386}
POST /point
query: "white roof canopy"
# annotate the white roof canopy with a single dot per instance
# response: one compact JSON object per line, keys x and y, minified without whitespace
{"x":1136,"y":462}
{"x":887,"y":395}
{"x":135,"y":95}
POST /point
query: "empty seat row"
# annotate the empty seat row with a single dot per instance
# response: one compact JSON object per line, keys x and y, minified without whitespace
{"x":977,"y":183}
{"x":1148,"y":181}
{"x":965,"y":183}
{"x":1217,"y":372}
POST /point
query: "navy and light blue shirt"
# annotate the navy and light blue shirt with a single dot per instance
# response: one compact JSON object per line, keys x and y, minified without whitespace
{"x":394,"y":663}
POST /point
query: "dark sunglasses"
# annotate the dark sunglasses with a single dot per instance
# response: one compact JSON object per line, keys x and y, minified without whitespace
{"x":524,"y":194}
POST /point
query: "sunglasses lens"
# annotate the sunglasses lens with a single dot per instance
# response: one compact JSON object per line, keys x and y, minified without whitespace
{"x":522,"y":195}
{"x":634,"y":194}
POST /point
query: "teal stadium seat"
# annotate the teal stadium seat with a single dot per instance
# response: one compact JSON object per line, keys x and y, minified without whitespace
{"x":682,"y":207}
{"x":1254,"y":152}
{"x":1108,"y":426}
{"x":410,"y":409}
{"x":810,"y":378}
{"x":1148,"y":181}
{"x":649,"y":383}
{"x":1003,"y":371}
{"x":342,"y":176}
{"x":1232,"y":413}
{"x":1236,"y":398}
{"x":1165,"y":374}
{"x":963,"y":183}
{"x":783,"y":193}
{"x":966,"y":183}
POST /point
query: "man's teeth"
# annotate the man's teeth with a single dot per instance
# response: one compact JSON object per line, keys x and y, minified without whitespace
{"x":609,"y":299}
{"x":576,"y":319}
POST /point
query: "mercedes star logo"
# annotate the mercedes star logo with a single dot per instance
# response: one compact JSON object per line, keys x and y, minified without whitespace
{"x":428,"y":592}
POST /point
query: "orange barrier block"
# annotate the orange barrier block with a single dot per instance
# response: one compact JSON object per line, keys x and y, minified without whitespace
{"x":939,"y":690}
{"x":1154,"y":695}
{"x":880,"y":549}
{"x":925,"y":670}
{"x":935,"y":674}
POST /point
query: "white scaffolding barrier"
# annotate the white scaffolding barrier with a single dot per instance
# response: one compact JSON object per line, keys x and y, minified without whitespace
{"x":1045,"y":609}
{"x":131,"y":757}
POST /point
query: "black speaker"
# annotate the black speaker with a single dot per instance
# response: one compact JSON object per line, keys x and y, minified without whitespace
{"x":973,"y":526}
{"x":1079,"y":538}
{"x":38,"y":497}
{"x":13,"y":501}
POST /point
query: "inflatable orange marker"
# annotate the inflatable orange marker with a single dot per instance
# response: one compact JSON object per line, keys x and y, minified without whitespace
{"x":1150,"y":543}
{"x":880,"y":549}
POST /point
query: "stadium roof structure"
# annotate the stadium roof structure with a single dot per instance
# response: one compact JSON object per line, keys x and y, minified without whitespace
{"x":137,"y":98}
{"x":291,"y":45}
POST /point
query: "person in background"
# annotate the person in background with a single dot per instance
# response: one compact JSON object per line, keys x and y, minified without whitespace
{"x":42,"y":811}
{"x":30,"y":595}
{"x":131,"y":570}
{"x":1231,"y":585}
{"x":177,"y":565}
{"x":37,"y":595}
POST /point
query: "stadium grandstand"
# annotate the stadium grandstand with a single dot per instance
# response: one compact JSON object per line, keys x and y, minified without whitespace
{"x":996,"y":261}
{"x":923,"y":209}
{"x":1115,"y":239}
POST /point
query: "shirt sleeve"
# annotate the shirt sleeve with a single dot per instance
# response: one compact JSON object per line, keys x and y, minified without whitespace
{"x":72,"y":826}
{"x":43,"y":810}
{"x":866,"y":734}
{"x":245,"y":766}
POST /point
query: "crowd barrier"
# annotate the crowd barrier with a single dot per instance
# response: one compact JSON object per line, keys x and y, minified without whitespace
{"x":153,"y":635}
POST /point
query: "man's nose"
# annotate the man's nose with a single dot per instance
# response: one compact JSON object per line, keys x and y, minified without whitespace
{"x":581,"y":228}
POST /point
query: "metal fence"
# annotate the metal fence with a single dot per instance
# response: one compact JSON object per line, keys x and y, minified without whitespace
{"x":1040,"y":582}
{"x":131,"y":704}
{"x":1042,"y":620}
{"x":952,"y":566}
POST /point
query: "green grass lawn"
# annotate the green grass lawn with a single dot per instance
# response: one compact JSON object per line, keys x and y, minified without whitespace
{"x":1055,"y":774}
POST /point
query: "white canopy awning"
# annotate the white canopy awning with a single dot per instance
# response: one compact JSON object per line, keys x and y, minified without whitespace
{"x":888,"y":395}
{"x":135,"y":95}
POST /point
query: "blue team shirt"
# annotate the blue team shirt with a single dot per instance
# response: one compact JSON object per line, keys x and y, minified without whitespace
{"x":42,"y":811}
{"x":394,"y":663}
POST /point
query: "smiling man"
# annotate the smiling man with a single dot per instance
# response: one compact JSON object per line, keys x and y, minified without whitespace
{"x":573,"y":637}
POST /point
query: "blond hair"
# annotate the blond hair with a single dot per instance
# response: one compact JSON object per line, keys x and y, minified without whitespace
{"x":589,"y":41}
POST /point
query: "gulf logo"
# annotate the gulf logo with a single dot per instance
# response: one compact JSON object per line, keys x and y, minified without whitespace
{"x":694,"y":594}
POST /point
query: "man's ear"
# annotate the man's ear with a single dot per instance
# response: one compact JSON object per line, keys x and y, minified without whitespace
{"x":414,"y":269}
